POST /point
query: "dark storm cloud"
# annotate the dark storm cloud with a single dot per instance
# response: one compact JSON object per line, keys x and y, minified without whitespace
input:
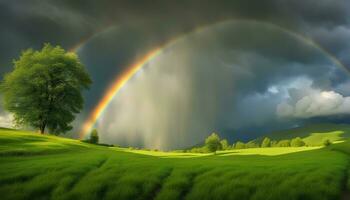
{"x":27,"y":24}
{"x":225,"y":78}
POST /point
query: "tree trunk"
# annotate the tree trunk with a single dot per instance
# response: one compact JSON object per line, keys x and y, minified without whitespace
{"x":42,"y":128}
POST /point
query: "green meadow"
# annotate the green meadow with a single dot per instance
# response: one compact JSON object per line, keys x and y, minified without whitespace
{"x":33,"y":166}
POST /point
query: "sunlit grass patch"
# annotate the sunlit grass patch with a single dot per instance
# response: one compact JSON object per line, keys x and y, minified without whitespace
{"x":162,"y":153}
{"x":316,"y":139}
{"x":14,"y":142}
{"x":273,"y":151}
{"x":251,"y":151}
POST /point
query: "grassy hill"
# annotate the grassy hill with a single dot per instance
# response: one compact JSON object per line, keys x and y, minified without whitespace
{"x":49,"y":167}
{"x":313,"y":134}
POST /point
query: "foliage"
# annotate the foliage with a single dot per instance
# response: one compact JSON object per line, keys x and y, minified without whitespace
{"x":266,"y":142}
{"x":203,"y":149}
{"x":213,"y":142}
{"x":252,"y":144}
{"x":240,"y":145}
{"x":44,"y":89}
{"x":327,"y":142}
{"x":274,"y":143}
{"x":283,"y":143}
{"x":297,"y":142}
{"x":94,"y":137}
{"x":224,"y":144}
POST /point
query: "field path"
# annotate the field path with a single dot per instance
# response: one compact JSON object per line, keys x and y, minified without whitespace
{"x":159,"y":187}
{"x":79,"y":178}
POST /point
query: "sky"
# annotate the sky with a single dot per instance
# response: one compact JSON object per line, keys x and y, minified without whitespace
{"x":238,"y":68}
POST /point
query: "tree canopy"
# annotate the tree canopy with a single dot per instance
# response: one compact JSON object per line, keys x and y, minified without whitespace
{"x":45,"y":89}
{"x":239,"y":145}
{"x":224,"y":144}
{"x":213,"y":142}
{"x":94,"y":137}
{"x":266,"y":142}
{"x":297,"y":142}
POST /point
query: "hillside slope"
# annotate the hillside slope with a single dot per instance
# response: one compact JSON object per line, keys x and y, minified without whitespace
{"x":49,"y":167}
{"x":313,"y":134}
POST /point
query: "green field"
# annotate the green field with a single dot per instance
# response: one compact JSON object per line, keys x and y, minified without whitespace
{"x":313,"y":134}
{"x":49,"y":167}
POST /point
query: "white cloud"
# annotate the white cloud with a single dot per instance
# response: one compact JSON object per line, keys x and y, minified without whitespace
{"x":315,"y":104}
{"x":6,"y":120}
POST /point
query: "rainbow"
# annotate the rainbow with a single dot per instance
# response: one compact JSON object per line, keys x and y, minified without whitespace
{"x":89,"y":37}
{"x":114,"y":88}
{"x":122,"y":79}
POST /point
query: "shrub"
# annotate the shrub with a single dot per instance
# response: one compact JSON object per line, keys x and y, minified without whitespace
{"x":199,"y":150}
{"x":232,"y":146}
{"x":283,"y":143}
{"x":274,"y":143}
{"x":224,"y":144}
{"x":94,"y":137}
{"x":327,"y":142}
{"x":297,"y":142}
{"x":213,"y":142}
{"x":239,"y":145}
{"x":252,"y":144}
{"x":266,"y":142}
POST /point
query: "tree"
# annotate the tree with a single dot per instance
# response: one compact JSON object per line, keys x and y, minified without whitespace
{"x":224,"y":144}
{"x":45,"y":89}
{"x":266,"y":142}
{"x":297,"y":142}
{"x":283,"y":143}
{"x":213,"y":142}
{"x":274,"y":143}
{"x":252,"y":144}
{"x":240,"y":145}
{"x":94,"y":137}
{"x":232,"y":146}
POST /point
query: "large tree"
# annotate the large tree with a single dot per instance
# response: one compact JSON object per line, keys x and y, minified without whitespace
{"x":45,"y":89}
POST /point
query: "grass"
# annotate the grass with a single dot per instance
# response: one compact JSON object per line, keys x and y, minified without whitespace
{"x":49,"y":167}
{"x":313,"y":134}
{"x":267,"y":151}
{"x":318,"y":138}
{"x":251,"y":151}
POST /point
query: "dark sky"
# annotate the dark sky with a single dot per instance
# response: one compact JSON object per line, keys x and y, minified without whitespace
{"x":273,"y":74}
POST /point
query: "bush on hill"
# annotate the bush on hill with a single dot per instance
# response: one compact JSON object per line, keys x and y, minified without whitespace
{"x":266,"y":142}
{"x":274,"y":143}
{"x":224,"y":144}
{"x":239,"y":145}
{"x":199,"y":150}
{"x":252,"y":144}
{"x":94,"y":137}
{"x":213,"y":142}
{"x":327,"y":142}
{"x":283,"y":143}
{"x":297,"y":142}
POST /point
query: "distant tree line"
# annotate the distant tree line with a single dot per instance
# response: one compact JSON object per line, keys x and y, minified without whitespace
{"x":213,"y":143}
{"x":267,"y":142}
